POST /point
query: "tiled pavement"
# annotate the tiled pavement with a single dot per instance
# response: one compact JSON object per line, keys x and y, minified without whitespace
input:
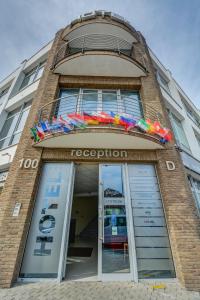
{"x":97,"y":290}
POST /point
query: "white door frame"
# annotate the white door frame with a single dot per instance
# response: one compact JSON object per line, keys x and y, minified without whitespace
{"x":130,"y":226}
{"x":66,"y":225}
{"x":132,"y":276}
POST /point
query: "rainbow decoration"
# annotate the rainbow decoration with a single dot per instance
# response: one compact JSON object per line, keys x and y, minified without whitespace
{"x":69,"y":122}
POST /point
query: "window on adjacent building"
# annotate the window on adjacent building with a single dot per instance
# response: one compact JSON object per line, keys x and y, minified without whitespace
{"x":3,"y":94}
{"x":179,"y":133}
{"x":195,"y":187}
{"x":13,"y":126}
{"x":163,"y":82}
{"x":85,"y":100}
{"x":191,"y":114}
{"x":32,"y":75}
{"x":198,"y":138}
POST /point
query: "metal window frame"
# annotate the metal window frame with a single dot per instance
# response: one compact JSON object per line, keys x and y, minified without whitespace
{"x":194,"y":192}
{"x":163,"y":81}
{"x":121,"y":108}
{"x":19,"y":113}
{"x":173,"y":119}
{"x":4,"y":92}
{"x":33,"y":71}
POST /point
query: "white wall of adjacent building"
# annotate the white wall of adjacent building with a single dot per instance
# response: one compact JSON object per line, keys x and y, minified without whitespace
{"x":185,"y":120}
{"x":176,"y":101}
{"x":15,"y":101}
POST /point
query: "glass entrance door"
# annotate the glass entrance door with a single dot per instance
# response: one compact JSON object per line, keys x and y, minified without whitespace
{"x":46,"y":245}
{"x":114,"y":254}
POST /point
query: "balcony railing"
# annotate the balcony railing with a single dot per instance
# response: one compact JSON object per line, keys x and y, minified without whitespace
{"x":106,"y":102}
{"x":79,"y":111}
{"x":88,"y":102}
{"x":94,"y":42}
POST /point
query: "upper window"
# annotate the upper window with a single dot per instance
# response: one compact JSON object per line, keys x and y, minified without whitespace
{"x":3,"y":94}
{"x":195,"y":186}
{"x":163,"y":82}
{"x":198,"y":138}
{"x":85,"y":100}
{"x":179,"y":133}
{"x":13,"y":126}
{"x":191,"y":114}
{"x":33,"y":75}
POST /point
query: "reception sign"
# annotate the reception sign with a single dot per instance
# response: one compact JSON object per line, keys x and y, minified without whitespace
{"x":66,"y":124}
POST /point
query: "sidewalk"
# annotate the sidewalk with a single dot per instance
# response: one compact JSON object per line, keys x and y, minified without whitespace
{"x":97,"y":290}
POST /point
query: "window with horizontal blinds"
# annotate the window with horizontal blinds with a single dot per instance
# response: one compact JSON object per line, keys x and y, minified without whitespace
{"x":132,"y":103}
{"x":109,"y":101}
{"x":154,"y":259}
{"x":89,"y":100}
{"x":96,"y":100}
{"x":67,"y":103}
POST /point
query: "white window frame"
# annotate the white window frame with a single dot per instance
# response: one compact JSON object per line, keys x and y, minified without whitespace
{"x":184,"y":147}
{"x":161,"y":80}
{"x":14,"y":132}
{"x":34,"y":71}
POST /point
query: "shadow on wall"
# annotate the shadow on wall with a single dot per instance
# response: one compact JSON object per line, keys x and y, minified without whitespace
{"x":84,"y":211}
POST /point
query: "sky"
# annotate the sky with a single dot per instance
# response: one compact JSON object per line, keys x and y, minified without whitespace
{"x":170,"y":27}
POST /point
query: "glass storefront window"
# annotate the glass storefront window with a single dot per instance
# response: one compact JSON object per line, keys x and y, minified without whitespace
{"x":42,"y":253}
{"x":153,"y":250}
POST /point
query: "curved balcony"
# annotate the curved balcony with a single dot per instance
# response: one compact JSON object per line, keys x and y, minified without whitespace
{"x":98,"y":55}
{"x":77,"y":122}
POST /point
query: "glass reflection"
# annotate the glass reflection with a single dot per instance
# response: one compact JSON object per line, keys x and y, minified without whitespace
{"x":112,"y":181}
{"x":115,"y":254}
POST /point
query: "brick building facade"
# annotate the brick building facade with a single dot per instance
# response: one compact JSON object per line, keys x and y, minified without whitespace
{"x":97,"y":56}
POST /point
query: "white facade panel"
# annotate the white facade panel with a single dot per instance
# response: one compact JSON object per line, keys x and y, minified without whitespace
{"x":6,"y":156}
{"x":25,"y":95}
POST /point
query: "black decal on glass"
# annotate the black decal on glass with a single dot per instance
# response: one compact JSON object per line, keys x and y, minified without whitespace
{"x":47,"y":239}
{"x":53,"y":206}
{"x":47,"y":224}
{"x":42,"y":251}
